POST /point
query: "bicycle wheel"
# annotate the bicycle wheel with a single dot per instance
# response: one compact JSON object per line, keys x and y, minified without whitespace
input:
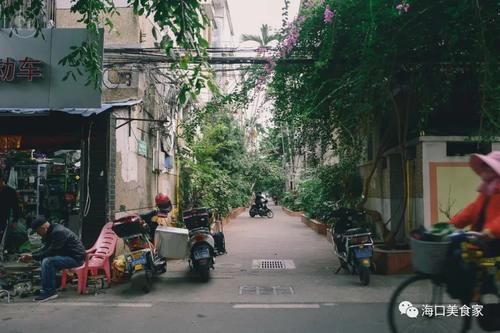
{"x":420,"y":292}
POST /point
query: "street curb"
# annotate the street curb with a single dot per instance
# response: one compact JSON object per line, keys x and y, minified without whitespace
{"x":315,"y":225}
{"x":291,"y":212}
{"x":233,"y":215}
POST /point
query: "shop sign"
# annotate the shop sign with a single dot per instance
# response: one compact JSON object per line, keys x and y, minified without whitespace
{"x":25,"y":69}
{"x":31,"y":75}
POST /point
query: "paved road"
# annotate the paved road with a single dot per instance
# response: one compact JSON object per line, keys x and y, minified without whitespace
{"x":305,"y":297}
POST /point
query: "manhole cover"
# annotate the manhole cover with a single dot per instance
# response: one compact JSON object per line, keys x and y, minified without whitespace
{"x":262,"y":290}
{"x":272,"y":264}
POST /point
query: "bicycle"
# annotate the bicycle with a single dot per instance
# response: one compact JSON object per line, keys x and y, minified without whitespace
{"x":422,"y":302}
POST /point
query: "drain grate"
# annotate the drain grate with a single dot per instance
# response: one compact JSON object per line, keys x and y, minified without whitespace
{"x":262,"y":290}
{"x":272,"y":264}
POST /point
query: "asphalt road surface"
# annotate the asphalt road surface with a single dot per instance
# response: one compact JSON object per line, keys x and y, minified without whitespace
{"x":301,"y":293}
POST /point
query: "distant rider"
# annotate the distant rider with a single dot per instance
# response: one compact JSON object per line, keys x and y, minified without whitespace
{"x":260,"y":200}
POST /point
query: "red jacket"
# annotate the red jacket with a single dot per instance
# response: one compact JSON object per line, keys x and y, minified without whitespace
{"x":470,"y":214}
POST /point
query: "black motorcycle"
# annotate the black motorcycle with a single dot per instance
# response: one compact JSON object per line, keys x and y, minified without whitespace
{"x":353,"y":243}
{"x":262,"y":211}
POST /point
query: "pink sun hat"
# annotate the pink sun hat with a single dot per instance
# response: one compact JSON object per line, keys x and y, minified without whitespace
{"x":477,"y":162}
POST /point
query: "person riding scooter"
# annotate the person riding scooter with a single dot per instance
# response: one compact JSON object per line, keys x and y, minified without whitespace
{"x":159,"y":216}
{"x":260,"y":200}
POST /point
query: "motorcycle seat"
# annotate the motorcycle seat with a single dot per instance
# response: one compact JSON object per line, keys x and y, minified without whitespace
{"x":355,"y":231}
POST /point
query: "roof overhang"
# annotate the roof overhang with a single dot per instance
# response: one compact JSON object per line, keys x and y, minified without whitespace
{"x":84,"y":112}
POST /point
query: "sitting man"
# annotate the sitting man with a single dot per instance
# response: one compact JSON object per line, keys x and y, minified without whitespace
{"x":62,"y":249}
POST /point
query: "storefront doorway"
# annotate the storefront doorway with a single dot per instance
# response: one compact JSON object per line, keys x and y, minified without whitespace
{"x":58,"y":163}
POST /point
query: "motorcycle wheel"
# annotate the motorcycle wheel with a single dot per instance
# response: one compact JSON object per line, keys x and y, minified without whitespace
{"x":252,"y":213}
{"x":270,"y":214}
{"x":364,"y":275}
{"x":149,"y":281}
{"x":203,"y":273}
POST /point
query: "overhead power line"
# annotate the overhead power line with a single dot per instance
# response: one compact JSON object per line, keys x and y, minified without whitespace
{"x":141,"y":56}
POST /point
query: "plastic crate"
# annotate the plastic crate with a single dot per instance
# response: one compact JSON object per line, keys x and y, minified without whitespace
{"x":429,"y":257}
{"x":196,"y":218}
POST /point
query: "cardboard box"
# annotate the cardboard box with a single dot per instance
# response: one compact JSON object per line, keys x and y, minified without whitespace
{"x":172,"y":242}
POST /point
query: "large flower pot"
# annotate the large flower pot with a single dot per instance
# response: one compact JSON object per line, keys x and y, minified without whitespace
{"x":392,"y":261}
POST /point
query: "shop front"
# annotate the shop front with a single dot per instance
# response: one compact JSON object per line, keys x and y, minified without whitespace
{"x":54,"y":133}
{"x":57,"y":162}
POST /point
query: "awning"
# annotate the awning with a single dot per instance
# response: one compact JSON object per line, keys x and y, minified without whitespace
{"x":73,"y":111}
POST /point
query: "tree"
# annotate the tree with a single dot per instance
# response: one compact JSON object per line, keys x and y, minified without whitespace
{"x":183,"y":20}
{"x":216,"y":175}
{"x":413,"y":67}
{"x":263,"y":39}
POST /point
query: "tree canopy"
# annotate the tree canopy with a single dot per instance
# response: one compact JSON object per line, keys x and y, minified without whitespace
{"x":428,"y":66}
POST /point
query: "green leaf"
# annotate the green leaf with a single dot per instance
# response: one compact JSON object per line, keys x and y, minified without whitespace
{"x":109,"y":23}
{"x":182,"y":96}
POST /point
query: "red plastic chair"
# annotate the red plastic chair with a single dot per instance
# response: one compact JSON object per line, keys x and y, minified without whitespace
{"x":97,"y":258}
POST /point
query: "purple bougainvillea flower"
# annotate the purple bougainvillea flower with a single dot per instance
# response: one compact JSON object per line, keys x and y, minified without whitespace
{"x":328,"y":15}
{"x":403,"y":7}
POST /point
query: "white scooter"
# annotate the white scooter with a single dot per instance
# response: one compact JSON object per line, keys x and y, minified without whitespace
{"x":201,"y":242}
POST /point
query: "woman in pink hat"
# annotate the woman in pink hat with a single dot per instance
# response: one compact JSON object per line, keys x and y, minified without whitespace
{"x":484,"y":213}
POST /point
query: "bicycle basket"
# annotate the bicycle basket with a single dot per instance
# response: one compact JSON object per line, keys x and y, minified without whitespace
{"x":429,"y":257}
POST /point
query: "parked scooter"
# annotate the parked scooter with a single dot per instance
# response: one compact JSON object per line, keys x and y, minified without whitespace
{"x":201,"y":242}
{"x":262,"y":211}
{"x":353,"y":244}
{"x":142,"y":259}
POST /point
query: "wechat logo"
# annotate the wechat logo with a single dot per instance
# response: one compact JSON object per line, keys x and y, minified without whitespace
{"x":406,"y":308}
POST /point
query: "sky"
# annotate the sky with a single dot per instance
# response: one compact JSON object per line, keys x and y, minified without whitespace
{"x":249,"y":15}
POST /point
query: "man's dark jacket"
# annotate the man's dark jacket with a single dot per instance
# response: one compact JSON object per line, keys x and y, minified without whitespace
{"x":60,"y":241}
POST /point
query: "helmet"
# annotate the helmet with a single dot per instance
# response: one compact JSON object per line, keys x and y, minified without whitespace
{"x":162,"y":200}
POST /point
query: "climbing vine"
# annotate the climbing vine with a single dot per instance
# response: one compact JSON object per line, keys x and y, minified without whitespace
{"x":413,"y":63}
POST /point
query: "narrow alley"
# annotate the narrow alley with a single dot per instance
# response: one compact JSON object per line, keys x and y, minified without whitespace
{"x":304,"y":295}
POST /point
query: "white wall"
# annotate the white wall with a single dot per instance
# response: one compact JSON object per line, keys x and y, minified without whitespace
{"x":434,"y":150}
